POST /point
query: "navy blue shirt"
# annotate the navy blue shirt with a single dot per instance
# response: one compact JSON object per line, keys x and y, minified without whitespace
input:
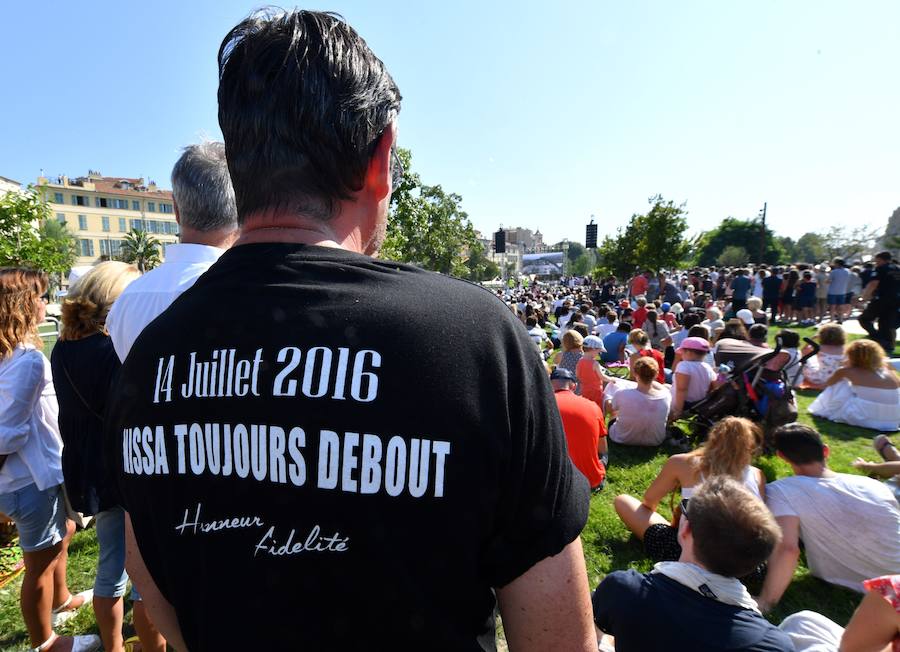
{"x":740,"y":286}
{"x":654,"y":612}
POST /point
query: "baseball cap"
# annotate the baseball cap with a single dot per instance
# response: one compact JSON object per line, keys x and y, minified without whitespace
{"x":561,"y":373}
{"x":694,"y":344}
{"x":745,"y":316}
{"x":592,"y":342}
{"x":666,"y":306}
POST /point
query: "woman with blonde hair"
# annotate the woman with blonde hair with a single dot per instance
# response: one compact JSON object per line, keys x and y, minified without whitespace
{"x":864,"y":392}
{"x":728,"y":451}
{"x":85,"y":365}
{"x":572,"y":351}
{"x":31,"y":473}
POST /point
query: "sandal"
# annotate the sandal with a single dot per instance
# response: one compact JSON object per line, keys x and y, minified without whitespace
{"x":132,"y":644}
{"x":880,"y":443}
{"x":62,"y":613}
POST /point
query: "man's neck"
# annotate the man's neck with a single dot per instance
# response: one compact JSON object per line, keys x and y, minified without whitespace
{"x":351,"y":228}
{"x":813,"y":470}
{"x":220,"y":238}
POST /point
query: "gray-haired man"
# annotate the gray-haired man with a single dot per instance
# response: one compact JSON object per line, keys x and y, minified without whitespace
{"x":206,"y":213}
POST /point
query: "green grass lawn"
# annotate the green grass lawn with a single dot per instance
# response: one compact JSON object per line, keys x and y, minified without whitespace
{"x":607,"y":543}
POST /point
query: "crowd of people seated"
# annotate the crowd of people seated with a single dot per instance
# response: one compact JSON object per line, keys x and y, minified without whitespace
{"x":669,"y":352}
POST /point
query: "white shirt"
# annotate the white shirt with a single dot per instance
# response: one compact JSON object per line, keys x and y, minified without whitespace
{"x":29,"y":432}
{"x":701,"y":374}
{"x":641,"y":418}
{"x":849,"y":524}
{"x":146,"y":298}
{"x":604,"y":328}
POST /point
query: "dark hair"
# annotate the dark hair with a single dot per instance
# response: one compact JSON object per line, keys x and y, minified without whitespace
{"x":303,"y":102}
{"x":531,"y":321}
{"x":691,"y":319}
{"x":699,"y":330}
{"x":651,"y":317}
{"x":734,"y":330}
{"x":733,"y":530}
{"x":789,"y":339}
{"x":624,"y":327}
{"x":799,"y":444}
{"x":581,"y":328}
{"x":884,"y":255}
{"x":758,"y":332}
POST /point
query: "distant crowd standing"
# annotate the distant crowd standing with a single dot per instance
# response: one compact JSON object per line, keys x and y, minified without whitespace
{"x":270,"y":412}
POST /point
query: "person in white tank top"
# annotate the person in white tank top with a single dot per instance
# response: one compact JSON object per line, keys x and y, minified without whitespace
{"x":730,"y":448}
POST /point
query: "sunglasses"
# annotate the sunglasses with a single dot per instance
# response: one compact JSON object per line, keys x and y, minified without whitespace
{"x":684,"y":507}
{"x":396,"y":169}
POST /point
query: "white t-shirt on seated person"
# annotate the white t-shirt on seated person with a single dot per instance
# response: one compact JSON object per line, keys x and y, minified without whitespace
{"x":849,"y":525}
{"x":641,"y":418}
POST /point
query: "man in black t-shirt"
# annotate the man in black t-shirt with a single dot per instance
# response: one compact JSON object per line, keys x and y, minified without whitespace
{"x":292,"y":432}
{"x":882,"y":288}
{"x":696,"y":603}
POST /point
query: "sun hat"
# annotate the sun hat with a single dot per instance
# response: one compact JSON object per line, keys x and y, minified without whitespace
{"x":745,"y":316}
{"x":592,"y":342}
{"x":676,"y":309}
{"x":560,"y":373}
{"x":694,"y":344}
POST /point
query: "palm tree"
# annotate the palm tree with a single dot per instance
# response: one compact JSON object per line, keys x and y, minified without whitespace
{"x":142,"y":249}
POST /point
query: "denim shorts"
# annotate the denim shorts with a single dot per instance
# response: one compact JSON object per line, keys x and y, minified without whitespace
{"x":40,"y":516}
{"x":837,"y":299}
{"x":111,"y":576}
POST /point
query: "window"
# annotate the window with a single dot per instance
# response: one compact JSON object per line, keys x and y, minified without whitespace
{"x":135,"y":205}
{"x":86,"y":247}
{"x":137,"y":225}
{"x":105,"y":220}
{"x":111,"y":248}
{"x":172,"y":228}
{"x":165,"y":208}
{"x":151,"y":207}
{"x":122,"y":226}
{"x":120,"y":203}
{"x":82,"y":222}
{"x":61,"y":218}
{"x":101,"y":202}
{"x":80,"y":200}
{"x":58,"y":198}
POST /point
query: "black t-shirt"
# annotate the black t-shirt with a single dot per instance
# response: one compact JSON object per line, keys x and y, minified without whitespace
{"x":357,"y":448}
{"x":771,"y":286}
{"x":888,"y":277}
{"x":654,"y":612}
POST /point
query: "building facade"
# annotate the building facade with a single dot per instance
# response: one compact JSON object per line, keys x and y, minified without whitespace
{"x":100,"y":211}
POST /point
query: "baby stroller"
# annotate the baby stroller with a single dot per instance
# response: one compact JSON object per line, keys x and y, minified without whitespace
{"x":753,"y":390}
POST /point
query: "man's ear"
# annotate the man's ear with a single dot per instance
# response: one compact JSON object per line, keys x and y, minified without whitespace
{"x":378,"y":174}
{"x":825,"y":451}
{"x":177,"y":214}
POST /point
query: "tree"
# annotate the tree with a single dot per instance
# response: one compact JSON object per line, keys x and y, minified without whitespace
{"x":652,"y":241}
{"x":849,"y":243}
{"x":891,"y":238}
{"x":581,"y":266}
{"x":27,"y":237}
{"x":63,"y":242}
{"x":788,"y":246}
{"x":142,"y":249}
{"x":481,"y":268}
{"x":738,"y":233}
{"x":810,"y":248}
{"x":733,"y":256}
{"x":427,"y":225}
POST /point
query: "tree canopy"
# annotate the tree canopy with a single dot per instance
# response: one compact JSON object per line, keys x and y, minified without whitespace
{"x":733,"y":232}
{"x":654,"y":240}
{"x":28,"y":235}
{"x":428,"y":227}
{"x":142,"y":249}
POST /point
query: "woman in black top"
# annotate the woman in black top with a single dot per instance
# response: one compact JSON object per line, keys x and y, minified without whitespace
{"x":84,"y":367}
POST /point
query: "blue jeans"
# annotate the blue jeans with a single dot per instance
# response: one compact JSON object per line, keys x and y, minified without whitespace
{"x":40,"y":516}
{"x":111,"y":576}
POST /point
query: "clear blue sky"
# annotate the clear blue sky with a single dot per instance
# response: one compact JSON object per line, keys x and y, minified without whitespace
{"x":538,"y":114}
